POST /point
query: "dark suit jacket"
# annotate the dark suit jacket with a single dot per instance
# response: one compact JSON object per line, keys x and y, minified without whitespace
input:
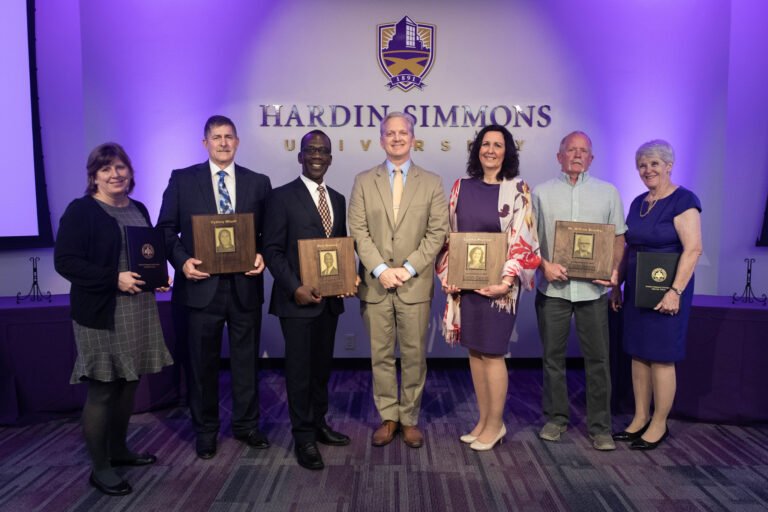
{"x":293,"y":216}
{"x":190,"y":192}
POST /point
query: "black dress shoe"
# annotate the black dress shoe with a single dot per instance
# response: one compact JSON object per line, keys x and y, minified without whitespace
{"x":626,"y":437}
{"x":642,"y":444}
{"x":308,"y":456}
{"x":326,"y":435}
{"x":144,"y":459}
{"x":120,"y":489}
{"x":205,"y":447}
{"x":254,"y":438}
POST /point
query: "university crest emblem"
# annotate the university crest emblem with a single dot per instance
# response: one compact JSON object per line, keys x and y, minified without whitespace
{"x":659,"y":275}
{"x":148,"y":251}
{"x":406,"y":52}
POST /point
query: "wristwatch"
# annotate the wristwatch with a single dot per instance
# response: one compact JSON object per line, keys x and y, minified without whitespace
{"x":678,"y":292}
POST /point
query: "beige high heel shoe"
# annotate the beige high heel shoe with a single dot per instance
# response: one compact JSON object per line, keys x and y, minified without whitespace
{"x":468,"y":439}
{"x":483,"y":447}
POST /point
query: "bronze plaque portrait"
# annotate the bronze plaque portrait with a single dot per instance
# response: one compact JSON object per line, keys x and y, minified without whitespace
{"x":328,"y":264}
{"x":226,"y":244}
{"x":585,"y":249}
{"x":225,"y":239}
{"x":583,"y":245}
{"x":476,"y":260}
{"x":476,"y":256}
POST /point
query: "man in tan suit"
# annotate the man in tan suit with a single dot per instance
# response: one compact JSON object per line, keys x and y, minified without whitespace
{"x":398,"y":217}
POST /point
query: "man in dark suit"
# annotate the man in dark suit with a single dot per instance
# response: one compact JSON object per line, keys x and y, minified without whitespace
{"x":217,"y":186}
{"x":305,"y":208}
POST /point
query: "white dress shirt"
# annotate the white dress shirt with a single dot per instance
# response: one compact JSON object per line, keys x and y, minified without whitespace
{"x":312,"y":187}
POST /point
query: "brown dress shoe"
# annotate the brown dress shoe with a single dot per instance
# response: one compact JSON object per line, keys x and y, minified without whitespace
{"x":412,"y":436}
{"x":385,"y":433}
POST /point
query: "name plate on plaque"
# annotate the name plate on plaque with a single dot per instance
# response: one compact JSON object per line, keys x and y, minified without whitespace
{"x":654,"y":275}
{"x":146,"y":255}
{"x":226,"y":244}
{"x":585,"y":249}
{"x":328,"y":264}
{"x":476,"y":259}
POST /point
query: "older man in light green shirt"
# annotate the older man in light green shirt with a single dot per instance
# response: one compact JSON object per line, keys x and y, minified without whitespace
{"x":577,"y":196}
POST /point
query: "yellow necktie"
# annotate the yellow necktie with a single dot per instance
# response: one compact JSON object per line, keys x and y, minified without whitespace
{"x":397,"y":191}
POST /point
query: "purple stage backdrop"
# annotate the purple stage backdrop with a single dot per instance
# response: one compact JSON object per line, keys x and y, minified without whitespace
{"x":148,"y":74}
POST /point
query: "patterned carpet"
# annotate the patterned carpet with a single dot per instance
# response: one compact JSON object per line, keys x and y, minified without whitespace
{"x":701,"y":467}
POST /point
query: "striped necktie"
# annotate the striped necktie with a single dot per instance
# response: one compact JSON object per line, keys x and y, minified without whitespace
{"x":325,"y":212}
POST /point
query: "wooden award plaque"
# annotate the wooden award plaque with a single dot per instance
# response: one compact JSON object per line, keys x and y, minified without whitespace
{"x":585,"y":249}
{"x":476,"y":259}
{"x":328,"y":264}
{"x":226,"y":244}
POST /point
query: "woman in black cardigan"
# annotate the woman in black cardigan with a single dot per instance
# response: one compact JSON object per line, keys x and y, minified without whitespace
{"x":116,"y":324}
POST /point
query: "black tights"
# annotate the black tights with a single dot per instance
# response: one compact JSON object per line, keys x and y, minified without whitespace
{"x":105,"y":423}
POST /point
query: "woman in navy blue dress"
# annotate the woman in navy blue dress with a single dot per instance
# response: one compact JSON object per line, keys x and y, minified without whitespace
{"x":664,"y":219}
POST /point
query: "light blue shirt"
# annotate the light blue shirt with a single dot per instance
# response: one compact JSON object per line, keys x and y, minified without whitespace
{"x":391,"y":170}
{"x":589,"y":200}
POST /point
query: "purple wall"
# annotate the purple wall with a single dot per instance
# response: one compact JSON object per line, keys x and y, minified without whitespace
{"x":148,"y":74}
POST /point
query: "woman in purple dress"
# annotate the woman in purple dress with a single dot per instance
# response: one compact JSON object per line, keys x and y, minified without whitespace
{"x":492,"y":199}
{"x":664,"y":219}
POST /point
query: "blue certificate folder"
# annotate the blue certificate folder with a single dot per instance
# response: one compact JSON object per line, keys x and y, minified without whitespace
{"x":655,"y":274}
{"x":146,"y":255}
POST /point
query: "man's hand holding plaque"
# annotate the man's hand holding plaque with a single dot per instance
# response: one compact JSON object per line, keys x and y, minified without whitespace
{"x":224,"y":244}
{"x":327,"y":267}
{"x":583,"y":250}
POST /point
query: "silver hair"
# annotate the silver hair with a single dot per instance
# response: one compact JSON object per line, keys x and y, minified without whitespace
{"x":659,"y":148}
{"x":576,"y":132}
{"x":409,"y":120}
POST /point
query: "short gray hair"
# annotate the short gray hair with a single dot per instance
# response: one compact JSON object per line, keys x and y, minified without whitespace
{"x":409,"y":120}
{"x":659,"y":148}
{"x":576,"y":132}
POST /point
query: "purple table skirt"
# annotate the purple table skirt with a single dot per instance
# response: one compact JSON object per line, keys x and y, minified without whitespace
{"x":37,"y":353}
{"x":722,"y":377}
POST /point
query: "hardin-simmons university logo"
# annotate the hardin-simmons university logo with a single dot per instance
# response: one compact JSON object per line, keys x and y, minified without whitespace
{"x":659,"y":275}
{"x":406,"y":52}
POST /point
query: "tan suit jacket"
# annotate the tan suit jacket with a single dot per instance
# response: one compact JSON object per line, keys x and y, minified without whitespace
{"x":416,"y":238}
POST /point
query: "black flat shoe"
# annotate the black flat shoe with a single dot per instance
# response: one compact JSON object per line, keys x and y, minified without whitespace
{"x":326,"y":435}
{"x":308,"y":456}
{"x":144,"y":459}
{"x":120,"y":489}
{"x":642,"y":444}
{"x":254,"y":438}
{"x":626,"y":437}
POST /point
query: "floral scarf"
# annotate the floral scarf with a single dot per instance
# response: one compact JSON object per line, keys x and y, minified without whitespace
{"x":516,"y":220}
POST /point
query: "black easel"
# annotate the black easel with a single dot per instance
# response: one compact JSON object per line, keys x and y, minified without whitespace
{"x":35,"y":294}
{"x":749,"y":296}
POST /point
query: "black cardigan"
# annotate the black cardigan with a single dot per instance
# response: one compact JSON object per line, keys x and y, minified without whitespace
{"x":87,"y":254}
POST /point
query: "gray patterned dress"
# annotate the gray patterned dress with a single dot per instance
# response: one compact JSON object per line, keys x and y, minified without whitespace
{"x":135,"y":346}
